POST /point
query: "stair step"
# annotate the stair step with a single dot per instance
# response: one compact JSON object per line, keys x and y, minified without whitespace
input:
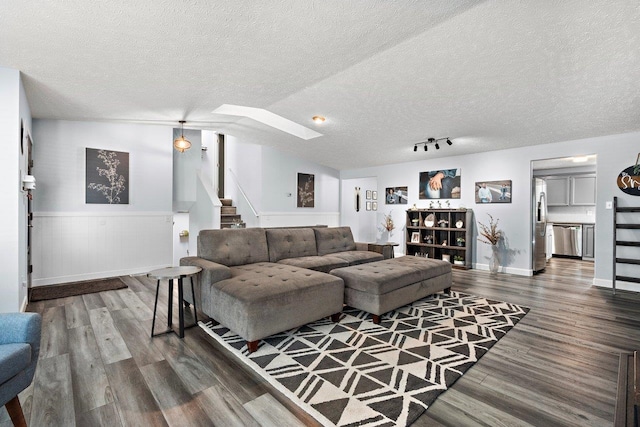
{"x":229,"y":218}
{"x":628,"y":279}
{"x":628,"y":261}
{"x":228,"y":210}
{"x":226,"y":202}
{"x":627,"y":243}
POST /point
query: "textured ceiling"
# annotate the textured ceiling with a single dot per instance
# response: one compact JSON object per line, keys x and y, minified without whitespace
{"x":488,"y":74}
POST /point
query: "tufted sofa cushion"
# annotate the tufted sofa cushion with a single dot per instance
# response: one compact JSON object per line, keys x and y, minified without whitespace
{"x":232,"y":247}
{"x":335,"y":239}
{"x":291,"y":243}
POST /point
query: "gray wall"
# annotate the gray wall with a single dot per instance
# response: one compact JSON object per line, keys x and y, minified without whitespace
{"x":615,"y":152}
{"x":14,"y":109}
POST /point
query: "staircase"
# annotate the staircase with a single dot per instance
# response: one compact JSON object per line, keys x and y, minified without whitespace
{"x":228,"y":215}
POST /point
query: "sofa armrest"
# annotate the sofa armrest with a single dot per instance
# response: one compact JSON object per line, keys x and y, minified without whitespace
{"x":211,"y":271}
{"x":21,"y":328}
{"x":361,"y":246}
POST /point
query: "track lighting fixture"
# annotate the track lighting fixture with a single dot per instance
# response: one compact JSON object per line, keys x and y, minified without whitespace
{"x":433,"y":141}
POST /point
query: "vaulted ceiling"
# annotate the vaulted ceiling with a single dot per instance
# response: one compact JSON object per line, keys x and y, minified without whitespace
{"x":488,"y":74}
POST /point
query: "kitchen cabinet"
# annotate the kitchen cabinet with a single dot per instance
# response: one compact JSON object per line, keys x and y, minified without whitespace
{"x":575,"y":190}
{"x":557,"y":191}
{"x":588,"y":241}
{"x":583,"y":190}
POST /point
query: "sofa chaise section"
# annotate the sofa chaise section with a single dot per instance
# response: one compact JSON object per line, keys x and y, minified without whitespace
{"x":241,"y":289}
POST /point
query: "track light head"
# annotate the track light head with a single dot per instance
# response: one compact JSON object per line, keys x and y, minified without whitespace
{"x":415,"y":148}
{"x":449,"y":141}
{"x":437,"y":146}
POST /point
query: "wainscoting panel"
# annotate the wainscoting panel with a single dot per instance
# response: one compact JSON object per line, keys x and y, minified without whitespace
{"x":291,"y":219}
{"x":70,"y":247}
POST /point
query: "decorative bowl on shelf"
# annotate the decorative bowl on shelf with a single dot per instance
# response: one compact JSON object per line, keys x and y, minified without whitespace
{"x":430,"y":220}
{"x":459,"y":223}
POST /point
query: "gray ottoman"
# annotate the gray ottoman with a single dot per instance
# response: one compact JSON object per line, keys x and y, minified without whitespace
{"x":382,"y":286}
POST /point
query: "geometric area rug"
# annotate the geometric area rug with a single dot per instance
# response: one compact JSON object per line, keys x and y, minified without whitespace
{"x":357,"y":373}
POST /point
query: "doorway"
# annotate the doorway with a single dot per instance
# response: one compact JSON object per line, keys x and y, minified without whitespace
{"x":569,"y":202}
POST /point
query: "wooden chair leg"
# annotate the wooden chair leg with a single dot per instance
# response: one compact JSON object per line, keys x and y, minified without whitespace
{"x":335,"y":318}
{"x":375,"y":318}
{"x":15,"y":412}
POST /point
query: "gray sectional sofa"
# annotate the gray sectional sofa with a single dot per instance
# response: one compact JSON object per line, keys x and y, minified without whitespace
{"x":258,"y":282}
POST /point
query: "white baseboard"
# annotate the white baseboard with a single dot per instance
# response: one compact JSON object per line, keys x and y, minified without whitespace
{"x":503,"y":269}
{"x":95,"y":276}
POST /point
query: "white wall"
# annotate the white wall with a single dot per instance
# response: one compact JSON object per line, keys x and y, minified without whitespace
{"x":360,"y":221}
{"x":115,"y":239}
{"x":185,"y":169}
{"x":269,"y":179}
{"x":14,"y":109}
{"x":614,"y":152}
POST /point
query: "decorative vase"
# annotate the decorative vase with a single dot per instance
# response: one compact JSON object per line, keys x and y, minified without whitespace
{"x":494,"y":262}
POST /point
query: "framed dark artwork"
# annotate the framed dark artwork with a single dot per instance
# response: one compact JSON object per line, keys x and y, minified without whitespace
{"x":440,"y":184}
{"x":493,"y":191}
{"x":396,"y":196}
{"x":107,"y":177}
{"x":306,"y":190}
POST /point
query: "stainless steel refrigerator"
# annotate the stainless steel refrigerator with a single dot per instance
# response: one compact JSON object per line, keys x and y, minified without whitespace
{"x":539,"y":226}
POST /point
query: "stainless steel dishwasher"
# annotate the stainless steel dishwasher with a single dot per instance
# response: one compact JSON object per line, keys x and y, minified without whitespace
{"x":567,"y":239}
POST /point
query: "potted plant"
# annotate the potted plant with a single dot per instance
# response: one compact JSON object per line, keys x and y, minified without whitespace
{"x":460,"y":241}
{"x":458,"y":260}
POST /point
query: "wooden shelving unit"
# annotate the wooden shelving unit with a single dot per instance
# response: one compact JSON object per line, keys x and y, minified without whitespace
{"x":627,"y":239}
{"x":438,"y":233}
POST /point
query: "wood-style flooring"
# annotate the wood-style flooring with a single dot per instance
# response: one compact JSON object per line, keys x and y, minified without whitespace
{"x":557,"y":367}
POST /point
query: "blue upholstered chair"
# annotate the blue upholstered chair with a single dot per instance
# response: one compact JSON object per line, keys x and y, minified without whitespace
{"x":19,"y":349}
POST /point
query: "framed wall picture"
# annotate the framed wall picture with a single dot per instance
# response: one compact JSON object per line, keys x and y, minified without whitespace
{"x":439,"y":184}
{"x":368,"y":205}
{"x":368,"y":194}
{"x":374,"y":195}
{"x":415,"y":237}
{"x":396,"y":196}
{"x":493,"y":191}
{"x":374,"y":206}
{"x":107,"y":177}
{"x":306,"y":190}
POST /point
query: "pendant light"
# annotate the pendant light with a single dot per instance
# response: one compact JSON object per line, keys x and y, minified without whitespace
{"x":181,"y":144}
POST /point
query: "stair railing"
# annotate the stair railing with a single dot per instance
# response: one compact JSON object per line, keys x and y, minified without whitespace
{"x":244,"y":195}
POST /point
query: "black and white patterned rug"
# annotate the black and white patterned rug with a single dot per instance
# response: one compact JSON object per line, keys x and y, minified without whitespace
{"x":355,"y":372}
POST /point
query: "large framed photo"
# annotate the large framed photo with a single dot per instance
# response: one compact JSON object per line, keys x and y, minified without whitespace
{"x":306,"y":190}
{"x":396,"y":196}
{"x":440,"y":184}
{"x":493,"y":191}
{"x":415,"y":237}
{"x":107,"y":177}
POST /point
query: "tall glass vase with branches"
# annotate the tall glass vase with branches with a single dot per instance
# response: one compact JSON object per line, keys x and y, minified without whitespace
{"x":491,"y":236}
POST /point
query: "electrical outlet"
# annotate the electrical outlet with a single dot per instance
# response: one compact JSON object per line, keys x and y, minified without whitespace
{"x":608,"y":205}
